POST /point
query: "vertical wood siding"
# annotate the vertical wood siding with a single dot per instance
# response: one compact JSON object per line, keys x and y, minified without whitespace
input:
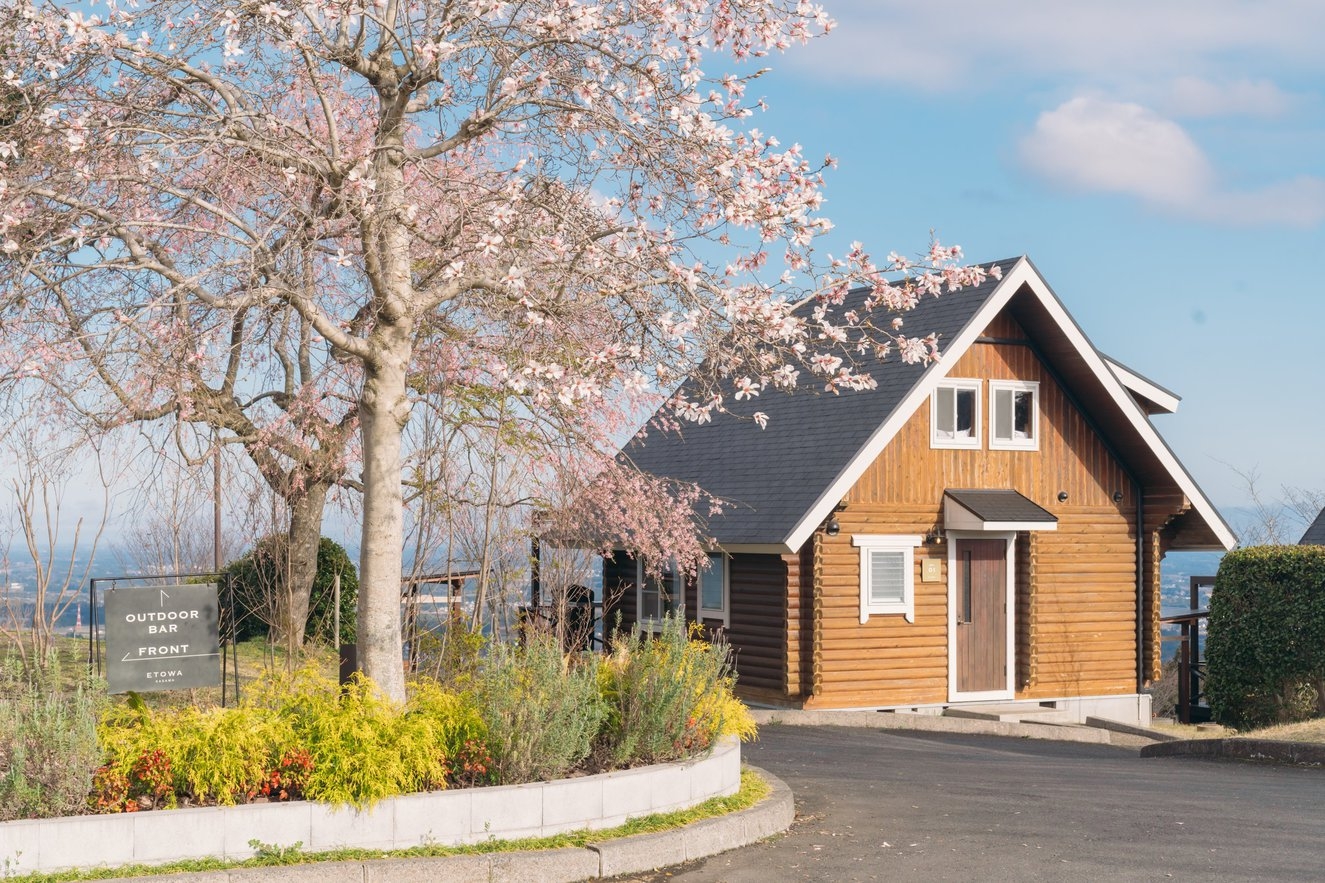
{"x":1075,"y":599}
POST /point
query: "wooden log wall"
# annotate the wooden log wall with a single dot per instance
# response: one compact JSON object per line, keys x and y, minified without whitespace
{"x":759,"y":628}
{"x":1076,"y":601}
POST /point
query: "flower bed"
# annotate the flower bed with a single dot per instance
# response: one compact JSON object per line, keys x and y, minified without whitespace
{"x":218,"y":778}
{"x":452,"y":817}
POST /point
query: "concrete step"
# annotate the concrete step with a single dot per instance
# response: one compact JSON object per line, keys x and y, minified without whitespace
{"x":1025,"y":713}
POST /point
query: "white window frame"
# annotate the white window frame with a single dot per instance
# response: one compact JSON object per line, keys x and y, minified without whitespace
{"x":720,"y":561}
{"x":651,"y":623}
{"x":977,"y":427}
{"x":1030,"y":444}
{"x":906,"y":544}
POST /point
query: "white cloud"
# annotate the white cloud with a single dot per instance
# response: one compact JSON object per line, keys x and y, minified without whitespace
{"x":1197,"y":97}
{"x":951,"y":44}
{"x":1091,"y":144}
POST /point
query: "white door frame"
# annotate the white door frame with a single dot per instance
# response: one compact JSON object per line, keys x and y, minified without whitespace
{"x":1010,"y":558}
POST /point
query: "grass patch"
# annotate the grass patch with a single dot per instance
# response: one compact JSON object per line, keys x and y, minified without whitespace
{"x":753,"y":789}
{"x":1303,"y":731}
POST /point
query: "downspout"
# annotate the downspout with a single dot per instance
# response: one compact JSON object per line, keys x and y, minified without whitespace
{"x":1140,"y":588}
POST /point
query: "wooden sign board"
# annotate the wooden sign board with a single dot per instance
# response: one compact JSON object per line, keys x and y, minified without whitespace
{"x":162,"y":638}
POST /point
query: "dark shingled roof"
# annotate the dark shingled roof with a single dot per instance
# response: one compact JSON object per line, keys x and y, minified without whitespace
{"x":1000,"y":505}
{"x":771,"y":478}
{"x":1315,"y":535}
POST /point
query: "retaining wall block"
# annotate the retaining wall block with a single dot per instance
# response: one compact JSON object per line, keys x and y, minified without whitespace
{"x":572,"y":804}
{"x":170,"y":835}
{"x":508,"y":812}
{"x":272,"y":824}
{"x":334,"y":827}
{"x":439,"y":817}
{"x":63,"y":843}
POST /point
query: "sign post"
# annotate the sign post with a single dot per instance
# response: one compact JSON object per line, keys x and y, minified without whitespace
{"x":162,"y":638}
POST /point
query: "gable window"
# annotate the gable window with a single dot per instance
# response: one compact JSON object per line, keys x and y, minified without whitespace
{"x":1014,"y":409}
{"x":657,"y":595}
{"x":955,"y":414}
{"x":713,"y":584}
{"x":887,"y":575}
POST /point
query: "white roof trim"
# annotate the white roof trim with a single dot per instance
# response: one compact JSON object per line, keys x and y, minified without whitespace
{"x":1152,"y":392}
{"x":874,"y":445}
{"x":1021,"y":273}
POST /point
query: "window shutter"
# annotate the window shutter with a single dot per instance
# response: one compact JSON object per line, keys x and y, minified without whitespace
{"x":887,"y":577}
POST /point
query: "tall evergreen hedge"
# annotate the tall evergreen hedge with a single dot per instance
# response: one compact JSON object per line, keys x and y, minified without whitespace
{"x":1266,"y":645}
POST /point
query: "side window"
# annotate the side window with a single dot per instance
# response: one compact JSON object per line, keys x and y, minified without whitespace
{"x":1014,"y":415}
{"x":658,"y":594}
{"x":713,"y":589}
{"x":887,"y":575}
{"x":955,"y":414}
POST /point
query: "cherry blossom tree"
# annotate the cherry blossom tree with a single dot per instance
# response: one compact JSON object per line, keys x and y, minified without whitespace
{"x":280,"y":218}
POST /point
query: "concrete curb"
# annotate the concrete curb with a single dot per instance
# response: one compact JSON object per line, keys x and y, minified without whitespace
{"x":1306,"y":754}
{"x":929,"y":724}
{"x":1104,"y":723}
{"x":625,"y":855}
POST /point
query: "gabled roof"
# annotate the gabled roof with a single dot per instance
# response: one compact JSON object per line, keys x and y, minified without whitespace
{"x":782,"y":482}
{"x":1315,"y":535}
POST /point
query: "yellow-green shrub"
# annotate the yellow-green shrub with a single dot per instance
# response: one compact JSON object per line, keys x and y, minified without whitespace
{"x":363,"y":746}
{"x":216,"y":755}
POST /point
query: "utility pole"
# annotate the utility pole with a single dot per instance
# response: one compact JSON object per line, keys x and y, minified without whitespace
{"x":216,"y":509}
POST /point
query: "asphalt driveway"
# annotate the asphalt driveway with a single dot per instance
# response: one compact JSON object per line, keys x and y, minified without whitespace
{"x":881,"y":805}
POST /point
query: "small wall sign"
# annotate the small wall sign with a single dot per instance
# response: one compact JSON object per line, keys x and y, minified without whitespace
{"x":162,"y":638}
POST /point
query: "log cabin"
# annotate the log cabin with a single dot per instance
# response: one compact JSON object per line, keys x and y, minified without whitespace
{"x":987,"y":528}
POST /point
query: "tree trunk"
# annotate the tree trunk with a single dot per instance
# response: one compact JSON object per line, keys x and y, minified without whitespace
{"x":294,"y":593}
{"x":383,"y":411}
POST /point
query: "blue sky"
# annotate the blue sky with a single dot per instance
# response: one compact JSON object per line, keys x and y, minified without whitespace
{"x":1162,"y":163}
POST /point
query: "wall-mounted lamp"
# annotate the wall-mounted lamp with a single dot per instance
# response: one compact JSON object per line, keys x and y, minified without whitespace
{"x":1117,"y":496}
{"x":934,"y":538}
{"x":833,"y":528}
{"x":1062,"y":496}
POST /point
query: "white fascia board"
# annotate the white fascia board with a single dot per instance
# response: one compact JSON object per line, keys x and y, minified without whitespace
{"x":1131,"y":410}
{"x":1013,"y":279}
{"x":1161,"y":398}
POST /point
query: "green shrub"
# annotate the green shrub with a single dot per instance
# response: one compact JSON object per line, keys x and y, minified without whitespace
{"x":668,"y":696}
{"x":48,"y":746}
{"x":541,"y":708}
{"x":1266,"y":643}
{"x":258,"y":574}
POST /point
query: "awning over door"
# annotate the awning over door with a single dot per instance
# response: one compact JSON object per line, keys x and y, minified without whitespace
{"x":1000,"y":510}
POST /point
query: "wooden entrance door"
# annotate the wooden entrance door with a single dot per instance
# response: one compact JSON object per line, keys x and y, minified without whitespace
{"x":981,"y":615}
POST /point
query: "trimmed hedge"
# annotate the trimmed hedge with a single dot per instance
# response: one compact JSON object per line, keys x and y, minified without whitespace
{"x":1266,"y":645}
